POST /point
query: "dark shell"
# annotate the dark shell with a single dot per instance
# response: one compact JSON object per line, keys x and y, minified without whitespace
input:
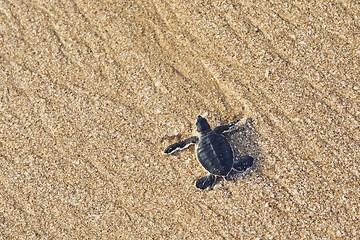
{"x":215,"y":154}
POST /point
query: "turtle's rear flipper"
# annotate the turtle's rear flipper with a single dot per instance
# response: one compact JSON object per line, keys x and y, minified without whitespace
{"x":243,"y":164}
{"x":206,"y":182}
{"x":181,"y":145}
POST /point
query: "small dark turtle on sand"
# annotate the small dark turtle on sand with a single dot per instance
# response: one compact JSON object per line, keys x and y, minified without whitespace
{"x":214,"y":153}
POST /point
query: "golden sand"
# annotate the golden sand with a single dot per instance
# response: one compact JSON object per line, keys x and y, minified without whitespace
{"x":90,"y":95}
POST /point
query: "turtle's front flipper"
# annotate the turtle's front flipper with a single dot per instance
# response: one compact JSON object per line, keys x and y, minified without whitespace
{"x":243,"y":164}
{"x":206,"y":182}
{"x":181,"y":145}
{"x":226,"y":128}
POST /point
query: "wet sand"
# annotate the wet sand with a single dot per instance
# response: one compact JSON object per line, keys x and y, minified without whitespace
{"x":90,"y":95}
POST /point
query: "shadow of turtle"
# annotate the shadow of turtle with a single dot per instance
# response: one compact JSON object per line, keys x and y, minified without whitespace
{"x":244,"y":143}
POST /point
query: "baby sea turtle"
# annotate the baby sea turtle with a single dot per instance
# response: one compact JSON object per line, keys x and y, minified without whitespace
{"x":214,"y":153}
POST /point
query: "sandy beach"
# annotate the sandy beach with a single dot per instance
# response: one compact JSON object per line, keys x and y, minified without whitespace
{"x":91,"y":94}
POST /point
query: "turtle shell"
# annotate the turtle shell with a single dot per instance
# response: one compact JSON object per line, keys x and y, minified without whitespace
{"x":215,"y":154}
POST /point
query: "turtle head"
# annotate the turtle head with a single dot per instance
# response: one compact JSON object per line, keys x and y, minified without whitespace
{"x":202,"y":125}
